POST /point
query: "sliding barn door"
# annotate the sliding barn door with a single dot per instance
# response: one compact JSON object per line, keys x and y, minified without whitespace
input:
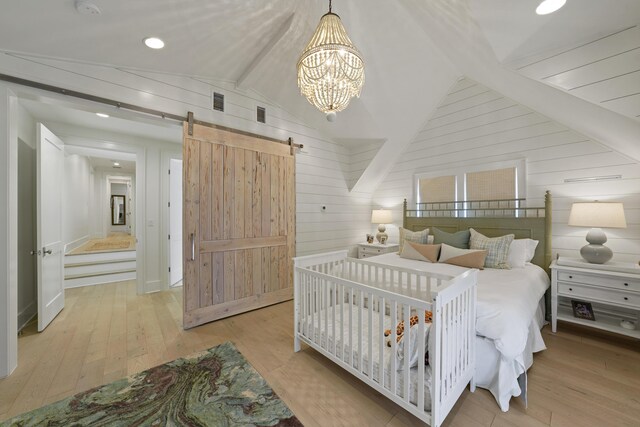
{"x":239,"y":223}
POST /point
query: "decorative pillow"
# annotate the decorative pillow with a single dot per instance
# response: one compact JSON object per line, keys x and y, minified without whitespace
{"x":457,"y":240}
{"x":497,"y":248}
{"x":521,"y":252}
{"x":420,"y":252}
{"x":413,"y":236}
{"x":517,"y":253}
{"x":531,"y":249}
{"x":470,"y":258}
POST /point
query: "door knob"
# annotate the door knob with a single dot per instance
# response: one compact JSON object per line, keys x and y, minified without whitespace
{"x":34,"y":252}
{"x":46,"y":252}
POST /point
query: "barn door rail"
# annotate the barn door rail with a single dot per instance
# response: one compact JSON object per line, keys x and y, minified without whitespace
{"x":136,"y":108}
{"x":191,"y":121}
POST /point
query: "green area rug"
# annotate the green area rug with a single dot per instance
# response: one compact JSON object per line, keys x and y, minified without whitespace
{"x":217,"y":387}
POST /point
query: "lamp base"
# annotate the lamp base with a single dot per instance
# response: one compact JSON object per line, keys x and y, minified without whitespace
{"x":381,"y":236}
{"x":596,"y":254}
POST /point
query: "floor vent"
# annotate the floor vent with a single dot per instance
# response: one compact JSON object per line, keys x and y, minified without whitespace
{"x":262,"y":115}
{"x":218,"y":101}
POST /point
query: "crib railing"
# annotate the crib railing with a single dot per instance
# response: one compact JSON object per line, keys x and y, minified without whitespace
{"x":343,"y":306}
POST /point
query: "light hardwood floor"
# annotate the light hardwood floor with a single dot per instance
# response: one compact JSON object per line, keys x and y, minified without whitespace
{"x":107,"y":332}
{"x":115,"y":242}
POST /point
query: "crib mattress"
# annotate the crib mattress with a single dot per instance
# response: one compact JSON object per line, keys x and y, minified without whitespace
{"x":316,"y":332}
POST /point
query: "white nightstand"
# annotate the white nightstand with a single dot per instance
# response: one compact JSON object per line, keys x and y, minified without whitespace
{"x":366,"y":250}
{"x":612,"y":288}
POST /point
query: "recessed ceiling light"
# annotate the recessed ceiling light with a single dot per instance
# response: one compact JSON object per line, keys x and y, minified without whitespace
{"x":116,"y":164}
{"x":549,"y":6}
{"x":103,"y":115}
{"x":154,"y":43}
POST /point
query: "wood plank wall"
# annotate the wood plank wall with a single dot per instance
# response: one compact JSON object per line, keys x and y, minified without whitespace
{"x":475,"y":125}
{"x":605,"y":70}
{"x":320,"y":168}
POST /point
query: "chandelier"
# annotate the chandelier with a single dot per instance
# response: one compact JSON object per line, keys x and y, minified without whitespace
{"x":330,"y":70}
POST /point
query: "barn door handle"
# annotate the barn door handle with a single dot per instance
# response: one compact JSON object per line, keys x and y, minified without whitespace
{"x":193,"y":247}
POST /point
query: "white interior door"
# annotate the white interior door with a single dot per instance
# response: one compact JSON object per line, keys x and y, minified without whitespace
{"x":175,"y":221}
{"x":50,"y":179}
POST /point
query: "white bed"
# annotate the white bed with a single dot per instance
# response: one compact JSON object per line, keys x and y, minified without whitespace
{"x":510,"y":314}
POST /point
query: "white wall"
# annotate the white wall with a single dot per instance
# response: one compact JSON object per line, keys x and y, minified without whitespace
{"x":76,"y":199}
{"x":8,"y":231}
{"x":475,"y":125}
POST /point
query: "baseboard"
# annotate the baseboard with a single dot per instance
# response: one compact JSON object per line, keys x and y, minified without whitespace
{"x":98,"y":280}
{"x":76,"y":244}
{"x":25,"y":316}
{"x":153,"y":286}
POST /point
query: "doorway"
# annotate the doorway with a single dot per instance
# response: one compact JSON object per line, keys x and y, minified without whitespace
{"x":107,"y":252}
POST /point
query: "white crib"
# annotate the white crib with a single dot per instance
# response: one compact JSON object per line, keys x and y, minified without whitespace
{"x":343,"y":305}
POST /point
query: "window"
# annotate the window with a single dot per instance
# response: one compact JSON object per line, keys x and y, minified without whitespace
{"x":438,"y":189}
{"x":494,"y":181}
{"x":496,"y":184}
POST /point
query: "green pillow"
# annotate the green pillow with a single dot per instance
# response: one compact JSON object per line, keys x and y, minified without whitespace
{"x":457,"y":240}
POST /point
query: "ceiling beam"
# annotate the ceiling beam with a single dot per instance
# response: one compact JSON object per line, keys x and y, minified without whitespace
{"x":241,"y":82}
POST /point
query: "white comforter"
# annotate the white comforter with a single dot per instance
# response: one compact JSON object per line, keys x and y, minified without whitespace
{"x":507,"y":299}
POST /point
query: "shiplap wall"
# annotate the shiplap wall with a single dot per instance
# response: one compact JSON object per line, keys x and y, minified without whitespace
{"x":605,"y":71}
{"x":360,"y":156}
{"x":475,"y":125}
{"x":320,"y":172}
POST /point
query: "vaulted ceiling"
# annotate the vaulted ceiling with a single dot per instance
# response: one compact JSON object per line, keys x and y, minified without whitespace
{"x":414,"y":51}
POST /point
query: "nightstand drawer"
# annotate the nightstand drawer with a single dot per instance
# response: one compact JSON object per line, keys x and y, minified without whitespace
{"x":366,"y":250}
{"x":371,"y":251}
{"x":605,"y":295}
{"x":600,"y":280}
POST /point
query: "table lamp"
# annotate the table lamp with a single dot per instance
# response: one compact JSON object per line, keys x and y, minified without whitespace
{"x":381,"y":217}
{"x":597,"y":214}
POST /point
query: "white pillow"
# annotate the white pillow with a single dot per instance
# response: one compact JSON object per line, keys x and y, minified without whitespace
{"x":518,"y":253}
{"x":521,"y":251}
{"x":531,"y":249}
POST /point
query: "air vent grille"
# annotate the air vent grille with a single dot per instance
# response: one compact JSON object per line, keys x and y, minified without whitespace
{"x":262,"y":115}
{"x":218,"y":101}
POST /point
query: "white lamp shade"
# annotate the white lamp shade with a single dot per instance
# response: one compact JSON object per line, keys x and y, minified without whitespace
{"x":380,"y":216}
{"x":597,"y":214}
